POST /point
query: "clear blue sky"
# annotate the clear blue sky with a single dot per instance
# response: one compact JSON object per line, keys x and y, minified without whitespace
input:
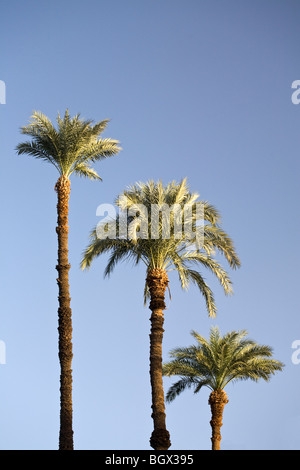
{"x":198,"y":89}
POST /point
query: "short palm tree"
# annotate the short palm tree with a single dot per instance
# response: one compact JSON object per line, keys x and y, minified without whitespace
{"x":71,"y":148}
{"x":214,"y":363}
{"x":144,"y":235}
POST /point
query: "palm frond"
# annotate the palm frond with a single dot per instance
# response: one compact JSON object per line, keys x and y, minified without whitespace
{"x":36,"y":150}
{"x":178,"y":387}
{"x":205,"y":291}
{"x":84,"y":170}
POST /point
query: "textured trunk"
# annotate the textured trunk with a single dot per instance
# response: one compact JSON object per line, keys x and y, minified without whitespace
{"x":217,"y":401}
{"x":157,"y":281}
{"x":65,"y":353}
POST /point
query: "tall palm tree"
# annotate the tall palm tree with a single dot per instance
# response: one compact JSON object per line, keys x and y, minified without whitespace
{"x":140,"y":232}
{"x":214,"y":363}
{"x":71,"y":148}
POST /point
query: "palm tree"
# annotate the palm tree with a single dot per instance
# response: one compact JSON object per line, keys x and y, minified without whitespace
{"x":71,"y":148}
{"x":214,"y":363}
{"x":140,"y":232}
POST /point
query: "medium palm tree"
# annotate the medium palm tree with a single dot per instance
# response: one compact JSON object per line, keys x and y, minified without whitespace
{"x":142,"y":232}
{"x":214,"y":363}
{"x":71,"y":148}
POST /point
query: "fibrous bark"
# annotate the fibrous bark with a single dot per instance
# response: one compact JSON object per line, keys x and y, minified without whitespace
{"x":65,"y":352}
{"x":157,"y":281}
{"x":217,"y":401}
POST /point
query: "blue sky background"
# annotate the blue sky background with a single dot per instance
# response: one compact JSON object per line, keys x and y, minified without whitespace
{"x":198,"y":89}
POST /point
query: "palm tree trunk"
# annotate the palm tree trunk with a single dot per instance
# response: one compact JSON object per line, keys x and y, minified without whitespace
{"x":65,"y":352}
{"x":217,"y":401}
{"x":157,"y":281}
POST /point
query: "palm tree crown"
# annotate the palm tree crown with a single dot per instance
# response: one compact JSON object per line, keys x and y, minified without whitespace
{"x":72,"y":147}
{"x":166,"y":251}
{"x":216,"y":362}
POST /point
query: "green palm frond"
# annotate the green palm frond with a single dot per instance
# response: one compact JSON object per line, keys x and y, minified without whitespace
{"x":216,"y":361}
{"x":205,"y":290}
{"x":84,"y":170}
{"x":196,"y":257}
{"x":217,"y":239}
{"x":178,"y":387}
{"x":37,"y":150}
